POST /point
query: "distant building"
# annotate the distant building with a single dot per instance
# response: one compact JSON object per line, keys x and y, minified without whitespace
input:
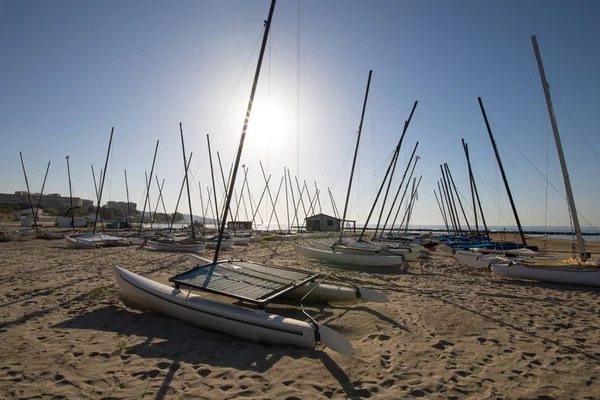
{"x":323,"y":222}
{"x":239,"y":225}
{"x":122,"y":206}
{"x":53,"y":200}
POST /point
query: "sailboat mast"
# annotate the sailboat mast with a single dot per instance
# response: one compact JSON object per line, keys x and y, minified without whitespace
{"x":147,"y":189}
{"x":127,"y":193}
{"x":465,"y":149}
{"x":28,"y":193}
{"x":245,"y":127}
{"x":510,"y":198}
{"x":187,"y":182}
{"x":362,"y":117}
{"x":559,"y":149}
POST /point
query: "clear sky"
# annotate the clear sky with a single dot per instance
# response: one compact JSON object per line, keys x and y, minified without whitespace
{"x":71,"y":70}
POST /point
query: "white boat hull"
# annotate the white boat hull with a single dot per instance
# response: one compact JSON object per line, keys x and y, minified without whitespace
{"x":342,"y":259}
{"x":224,"y":245}
{"x":176,"y":247}
{"x":79,"y":244}
{"x":241,"y":241}
{"x":409,"y":254}
{"x":475,"y":260}
{"x":588,"y":276}
{"x":236,"y":321}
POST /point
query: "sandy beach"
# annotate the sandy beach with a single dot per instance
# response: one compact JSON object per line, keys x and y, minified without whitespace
{"x":448,"y":332}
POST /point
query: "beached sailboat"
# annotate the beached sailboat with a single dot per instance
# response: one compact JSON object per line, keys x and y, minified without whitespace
{"x":343,"y":254}
{"x":88,"y":241}
{"x":349,"y":260}
{"x":579,"y":271}
{"x":408,"y":251}
{"x":249,"y":282}
{"x":176,"y":247}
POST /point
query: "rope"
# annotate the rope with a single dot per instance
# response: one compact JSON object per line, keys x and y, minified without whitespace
{"x":542,"y":175}
{"x":230,"y":100}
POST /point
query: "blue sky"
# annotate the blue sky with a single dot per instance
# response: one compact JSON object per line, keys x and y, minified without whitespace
{"x":71,"y":70}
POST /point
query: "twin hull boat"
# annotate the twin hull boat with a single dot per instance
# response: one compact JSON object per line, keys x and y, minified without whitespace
{"x":255,"y":325}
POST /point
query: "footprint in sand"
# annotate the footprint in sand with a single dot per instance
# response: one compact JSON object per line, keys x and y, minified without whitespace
{"x":385,"y":361}
{"x":442,"y":344}
{"x":379,"y":336}
{"x":204,"y":372}
{"x":143,"y":375}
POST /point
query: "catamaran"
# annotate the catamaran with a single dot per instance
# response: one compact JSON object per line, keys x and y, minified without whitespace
{"x":249,"y":282}
{"x":576,"y":270}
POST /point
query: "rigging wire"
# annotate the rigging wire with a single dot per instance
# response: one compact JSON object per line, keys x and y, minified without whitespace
{"x":579,"y":130}
{"x":230,"y":98}
{"x":540,"y":173}
{"x":298,"y":79}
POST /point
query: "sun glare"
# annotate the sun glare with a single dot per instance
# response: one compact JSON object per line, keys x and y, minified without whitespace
{"x":270,"y":121}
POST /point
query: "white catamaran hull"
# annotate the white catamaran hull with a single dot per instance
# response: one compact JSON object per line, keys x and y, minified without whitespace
{"x":224,"y":245}
{"x":79,"y":244}
{"x":342,"y":259}
{"x":236,"y":321}
{"x":589,"y":276}
{"x":408,"y":253}
{"x":475,"y":260}
{"x":176,"y":247}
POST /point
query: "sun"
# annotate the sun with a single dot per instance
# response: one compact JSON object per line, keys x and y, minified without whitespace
{"x":271,"y":121}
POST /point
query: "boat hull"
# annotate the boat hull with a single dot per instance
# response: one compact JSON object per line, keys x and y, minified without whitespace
{"x":224,"y":245}
{"x":474,"y":260}
{"x":79,"y":244}
{"x":176,"y":247}
{"x":243,"y":323}
{"x":341,"y":259}
{"x":588,"y":276}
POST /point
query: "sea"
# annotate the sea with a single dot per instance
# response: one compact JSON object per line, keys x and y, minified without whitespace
{"x":591,"y":234}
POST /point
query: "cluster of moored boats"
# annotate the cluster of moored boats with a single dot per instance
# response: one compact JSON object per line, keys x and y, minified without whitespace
{"x":511,"y":260}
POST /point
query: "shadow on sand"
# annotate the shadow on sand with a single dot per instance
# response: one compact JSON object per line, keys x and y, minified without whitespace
{"x":171,"y":339}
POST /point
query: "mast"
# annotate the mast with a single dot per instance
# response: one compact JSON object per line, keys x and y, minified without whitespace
{"x":452,"y":203}
{"x":245,"y":127}
{"x":148,"y":189}
{"x":399,"y":188}
{"x":510,"y":198}
{"x":287,"y":205}
{"x":335,"y":210}
{"x":71,"y":193}
{"x":187,"y":182}
{"x":561,"y":156}
{"x":270,"y":198}
{"x":202,"y":206}
{"x":103,"y":178}
{"x":212,"y":176}
{"x":42,"y":191}
{"x":395,"y":161}
{"x":457,"y":195}
{"x":417,"y":158}
{"x":441,"y":211}
{"x":362,"y":117}
{"x":179,"y":197}
{"x":29,"y":193}
{"x":127,"y":192}
{"x":465,"y":148}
